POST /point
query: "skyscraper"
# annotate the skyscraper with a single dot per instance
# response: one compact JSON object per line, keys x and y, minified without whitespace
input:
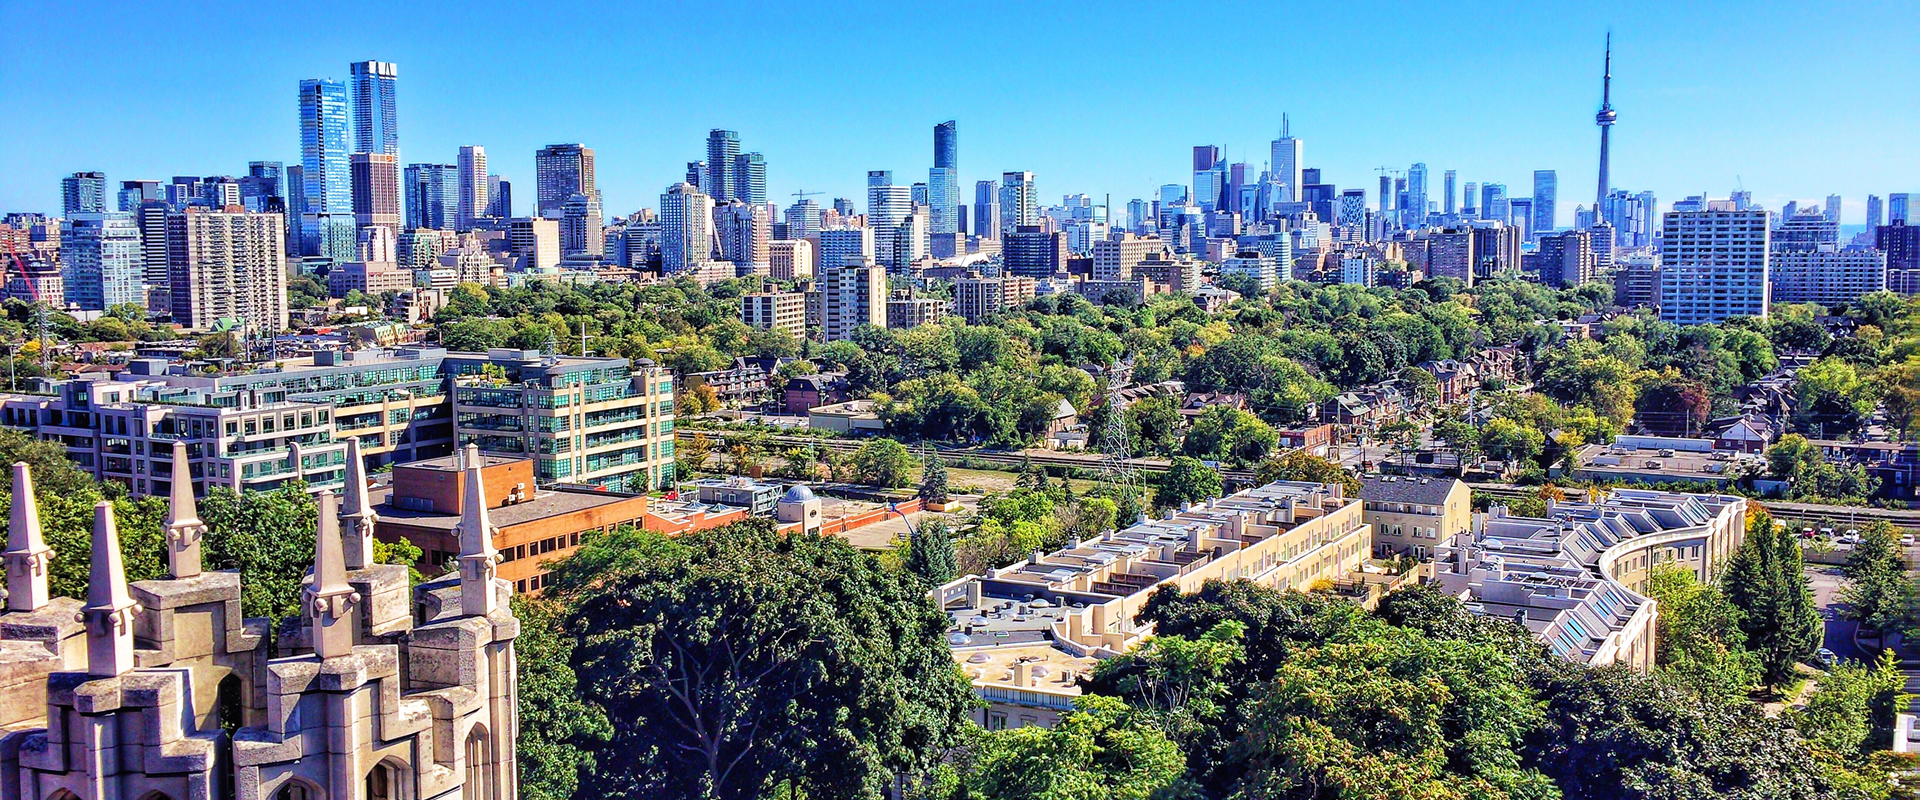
{"x":943,"y":181}
{"x":582,"y":226}
{"x":1416,"y":211}
{"x":1874,"y":212}
{"x":499,"y":197}
{"x":803,"y":219}
{"x":326,"y":225}
{"x":1605,"y":120}
{"x":1897,"y":206}
{"x":1493,"y":202}
{"x":1446,"y":203}
{"x":264,"y":188}
{"x":1546,"y":190}
{"x":133,"y":193}
{"x":1287,"y":162}
{"x":1018,"y":203}
{"x":376,"y":190}
{"x":102,"y":261}
{"x":472,"y":201}
{"x":722,"y":148}
{"x":1469,"y":200}
{"x":432,"y":196}
{"x":1832,"y":209}
{"x":560,"y":172}
{"x":374,"y":127}
{"x":686,"y":228}
{"x":750,"y":178}
{"x":83,"y":193}
{"x":1209,"y":178}
{"x":986,"y":209}
{"x":1714,"y":265}
{"x":887,"y":206}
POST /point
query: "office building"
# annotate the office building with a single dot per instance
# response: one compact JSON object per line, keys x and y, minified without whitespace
{"x":1897,"y":206}
{"x":686,"y":229}
{"x":750,"y":178}
{"x":1901,"y":243}
{"x":1449,"y":187}
{"x":1546,"y":190}
{"x":775,"y":311}
{"x":1567,"y":259}
{"x":535,"y":241}
{"x":723,"y":148}
{"x":471,"y":204}
{"x":432,"y":196}
{"x":1018,"y":203}
{"x":375,"y":125}
{"x":986,"y":210}
{"x":263,"y":190}
{"x":1874,"y":212}
{"x":1415,"y":213}
{"x":227,"y":267}
{"x":1033,"y":251}
{"x":1632,"y":217}
{"x":83,"y":193}
{"x":1288,"y":159}
{"x":854,"y":294}
{"x":1826,"y":275}
{"x":499,"y":197}
{"x":327,"y":225}
{"x":1713,"y":265}
{"x":582,"y":226}
{"x":1209,"y":177}
{"x":560,"y":172}
{"x":1832,"y":208}
{"x":102,"y":262}
{"x":376,"y":190}
{"x":839,"y":244}
{"x":943,"y":181}
{"x":601,"y":422}
{"x":133,"y":193}
{"x":887,"y":206}
{"x":1493,"y":203}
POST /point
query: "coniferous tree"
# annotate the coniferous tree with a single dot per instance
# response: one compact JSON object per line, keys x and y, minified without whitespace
{"x":930,"y":555}
{"x":933,"y":481}
{"x":1765,"y":580}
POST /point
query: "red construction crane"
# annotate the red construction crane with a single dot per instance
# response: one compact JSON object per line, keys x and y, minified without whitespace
{"x":21,"y":265}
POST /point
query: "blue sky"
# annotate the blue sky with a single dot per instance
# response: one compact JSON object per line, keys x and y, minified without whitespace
{"x":1792,"y":100}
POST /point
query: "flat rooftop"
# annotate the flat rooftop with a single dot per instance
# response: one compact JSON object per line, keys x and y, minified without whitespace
{"x":542,"y":505}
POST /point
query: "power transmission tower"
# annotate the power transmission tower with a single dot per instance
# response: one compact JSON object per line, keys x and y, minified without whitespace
{"x":1116,"y":475}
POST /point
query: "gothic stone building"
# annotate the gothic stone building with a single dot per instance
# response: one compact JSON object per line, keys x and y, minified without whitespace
{"x":160,"y":690}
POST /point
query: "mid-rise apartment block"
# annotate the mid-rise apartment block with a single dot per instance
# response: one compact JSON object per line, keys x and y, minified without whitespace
{"x":783,"y":311}
{"x":602,"y":422}
{"x":1826,"y":275}
{"x":1714,"y":265}
{"x":227,"y":267}
{"x":1115,"y":257}
{"x":853,"y":294}
{"x":976,"y":297}
{"x":790,"y":259}
{"x":913,"y":312}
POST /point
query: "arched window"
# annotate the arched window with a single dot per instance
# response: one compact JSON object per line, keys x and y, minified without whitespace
{"x":294,"y":790}
{"x":479,"y":762}
{"x":383,"y":783}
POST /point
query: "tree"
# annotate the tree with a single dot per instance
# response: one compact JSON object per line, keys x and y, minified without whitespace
{"x":1506,"y":440}
{"x":1764,"y":580}
{"x":1229,"y":435}
{"x":933,"y":481}
{"x":1099,"y":751}
{"x":1179,"y":681}
{"x":1810,"y":476}
{"x":737,"y":663}
{"x":1853,"y":709}
{"x":1461,"y":437}
{"x":883,"y":462}
{"x":1832,"y":398}
{"x":1153,"y":426}
{"x":1879,"y":593}
{"x":930,"y":555}
{"x":1699,"y":639}
{"x":690,"y":455}
{"x":558,"y":730}
{"x":1300,"y":465}
{"x":1187,"y":480}
{"x":269,"y":538}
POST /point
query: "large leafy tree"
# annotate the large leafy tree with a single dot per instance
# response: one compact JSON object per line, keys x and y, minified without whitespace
{"x":1187,"y":480}
{"x":1300,"y":465}
{"x":1699,"y":639}
{"x":883,"y":462}
{"x":1879,"y":593}
{"x":558,"y":730}
{"x":736,"y":663}
{"x":1099,"y":751}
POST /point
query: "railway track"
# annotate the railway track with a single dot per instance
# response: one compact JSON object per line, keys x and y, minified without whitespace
{"x":998,"y":457}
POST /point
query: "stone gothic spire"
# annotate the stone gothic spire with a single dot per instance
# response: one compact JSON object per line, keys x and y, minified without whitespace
{"x":110,"y":608}
{"x":477,"y":556}
{"x":184,"y":528}
{"x":356,"y":511}
{"x":329,"y":600}
{"x":27,"y":553}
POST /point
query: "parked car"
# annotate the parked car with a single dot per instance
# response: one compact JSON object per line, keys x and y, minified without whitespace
{"x":1906,"y":539}
{"x":1806,"y":533}
{"x":1827,"y":657}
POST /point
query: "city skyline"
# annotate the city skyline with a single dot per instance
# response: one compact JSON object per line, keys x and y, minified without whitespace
{"x":1675,"y":141}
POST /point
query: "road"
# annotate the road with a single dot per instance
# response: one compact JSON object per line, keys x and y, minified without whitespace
{"x":1827,"y":583}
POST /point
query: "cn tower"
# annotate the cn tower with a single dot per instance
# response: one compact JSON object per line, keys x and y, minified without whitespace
{"x":1605,"y":119}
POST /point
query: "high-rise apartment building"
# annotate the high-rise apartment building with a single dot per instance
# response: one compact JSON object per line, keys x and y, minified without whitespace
{"x":745,"y":233}
{"x":1874,"y":212}
{"x":1567,"y":259}
{"x":376,"y":190}
{"x":1415,"y":213}
{"x":943,"y":181}
{"x":1115,"y":256}
{"x":1832,"y":208}
{"x":888,"y":206}
{"x":499,"y":197}
{"x":750,"y":178}
{"x":776,"y":311}
{"x":1807,"y":229}
{"x":582,"y":226}
{"x":83,"y":193}
{"x":1826,"y":275}
{"x":560,"y":172}
{"x":1901,"y":243}
{"x":1033,"y":251}
{"x":723,"y":147}
{"x":1287,"y":162}
{"x":227,"y":265}
{"x":1714,"y":265}
{"x":151,"y":220}
{"x":471,"y":204}
{"x":986,"y":209}
{"x":854,"y":294}
{"x":1897,"y":206}
{"x":838,"y":245}
{"x":1019,"y":205}
{"x":686,"y":228}
{"x":1546,"y":203}
{"x":432,"y":196}
{"x":790,"y":259}
{"x":975,"y":297}
{"x":327,"y":225}
{"x":803,"y":219}
{"x":1447,"y":185}
{"x":375,"y":125}
{"x":133,"y":193}
{"x":102,"y":260}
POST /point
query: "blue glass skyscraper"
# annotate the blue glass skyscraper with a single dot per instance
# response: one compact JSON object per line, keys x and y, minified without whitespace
{"x":943,"y":181}
{"x":327,"y":229}
{"x":375,"y":129}
{"x":432,"y":195}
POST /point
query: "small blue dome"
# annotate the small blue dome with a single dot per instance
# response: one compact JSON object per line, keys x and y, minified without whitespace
{"x":799,"y":493}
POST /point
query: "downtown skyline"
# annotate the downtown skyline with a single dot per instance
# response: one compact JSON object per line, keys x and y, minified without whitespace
{"x":1670,"y":139}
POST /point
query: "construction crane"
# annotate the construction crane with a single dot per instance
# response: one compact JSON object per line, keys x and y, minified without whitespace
{"x":20,"y":264}
{"x":802,"y":194}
